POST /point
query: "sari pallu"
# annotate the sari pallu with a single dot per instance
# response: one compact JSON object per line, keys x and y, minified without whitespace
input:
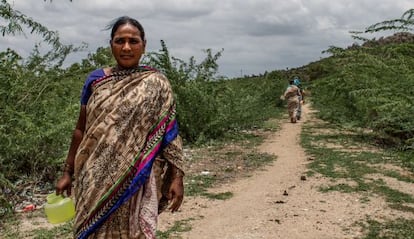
{"x":130,"y":121}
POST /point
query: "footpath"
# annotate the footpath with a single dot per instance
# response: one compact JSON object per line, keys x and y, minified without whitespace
{"x":277,"y":202}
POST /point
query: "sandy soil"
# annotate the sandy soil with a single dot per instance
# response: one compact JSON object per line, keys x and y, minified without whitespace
{"x":278,"y":202}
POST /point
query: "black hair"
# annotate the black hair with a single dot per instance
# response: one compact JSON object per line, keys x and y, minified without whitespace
{"x":115,"y":24}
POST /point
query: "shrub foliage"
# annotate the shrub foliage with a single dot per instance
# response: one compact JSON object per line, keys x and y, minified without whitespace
{"x":371,"y":85}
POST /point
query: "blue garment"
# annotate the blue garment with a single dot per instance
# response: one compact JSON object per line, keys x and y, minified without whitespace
{"x":86,"y":90}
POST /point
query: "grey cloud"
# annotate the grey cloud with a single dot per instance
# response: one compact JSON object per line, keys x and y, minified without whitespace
{"x":257,"y":35}
{"x":268,"y":29}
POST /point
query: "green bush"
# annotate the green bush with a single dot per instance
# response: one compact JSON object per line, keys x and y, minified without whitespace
{"x":373,"y":88}
{"x":209,"y":106}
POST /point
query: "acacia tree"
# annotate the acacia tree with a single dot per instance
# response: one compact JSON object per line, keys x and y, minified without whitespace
{"x":403,"y":24}
{"x":36,"y":98}
{"x":16,"y":23}
{"x":372,"y":86}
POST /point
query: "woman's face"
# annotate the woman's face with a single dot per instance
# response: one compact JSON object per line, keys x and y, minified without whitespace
{"x":127,"y":46}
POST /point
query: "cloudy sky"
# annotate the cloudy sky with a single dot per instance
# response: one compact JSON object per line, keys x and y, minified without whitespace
{"x":255,"y":35}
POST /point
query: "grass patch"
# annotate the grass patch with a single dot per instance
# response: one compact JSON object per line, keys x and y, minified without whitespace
{"x":62,"y":231}
{"x":225,"y":169}
{"x":397,"y":229}
{"x":344,"y":155}
{"x":224,"y":161}
{"x":198,"y":184}
{"x":257,"y":160}
{"x":403,"y":208}
{"x":272,"y":124}
{"x":219,"y":196}
{"x":179,"y":226}
{"x":12,"y":229}
{"x":338,"y":163}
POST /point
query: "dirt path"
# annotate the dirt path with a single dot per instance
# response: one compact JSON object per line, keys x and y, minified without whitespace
{"x":276,"y":202}
{"x":257,"y":209}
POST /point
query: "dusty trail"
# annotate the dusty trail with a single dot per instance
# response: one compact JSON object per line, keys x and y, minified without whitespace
{"x":253,"y":212}
{"x":260,"y":207}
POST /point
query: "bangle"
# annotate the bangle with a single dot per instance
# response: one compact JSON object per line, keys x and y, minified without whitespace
{"x":68,"y":168}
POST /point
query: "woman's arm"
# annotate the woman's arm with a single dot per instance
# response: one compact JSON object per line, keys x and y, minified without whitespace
{"x":65,"y":182}
{"x":173,"y":153}
{"x":176,"y":190}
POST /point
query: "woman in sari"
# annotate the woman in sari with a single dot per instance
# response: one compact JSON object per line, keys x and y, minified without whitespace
{"x":292,"y":96}
{"x":126,"y":155}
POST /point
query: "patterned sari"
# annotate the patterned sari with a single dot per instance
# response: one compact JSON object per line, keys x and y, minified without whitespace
{"x":292,"y":97}
{"x":131,"y":133}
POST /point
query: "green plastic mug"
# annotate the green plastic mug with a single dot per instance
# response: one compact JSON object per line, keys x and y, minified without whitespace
{"x":59,"y":209}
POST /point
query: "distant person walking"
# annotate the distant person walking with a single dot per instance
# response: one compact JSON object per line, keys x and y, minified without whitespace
{"x":293,"y":96}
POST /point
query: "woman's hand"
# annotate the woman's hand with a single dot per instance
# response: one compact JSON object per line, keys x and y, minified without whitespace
{"x":176,"y":193}
{"x":64,"y":184}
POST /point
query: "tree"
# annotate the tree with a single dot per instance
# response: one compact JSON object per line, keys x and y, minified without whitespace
{"x":16,"y":22}
{"x":405,"y":23}
{"x":36,"y":95}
